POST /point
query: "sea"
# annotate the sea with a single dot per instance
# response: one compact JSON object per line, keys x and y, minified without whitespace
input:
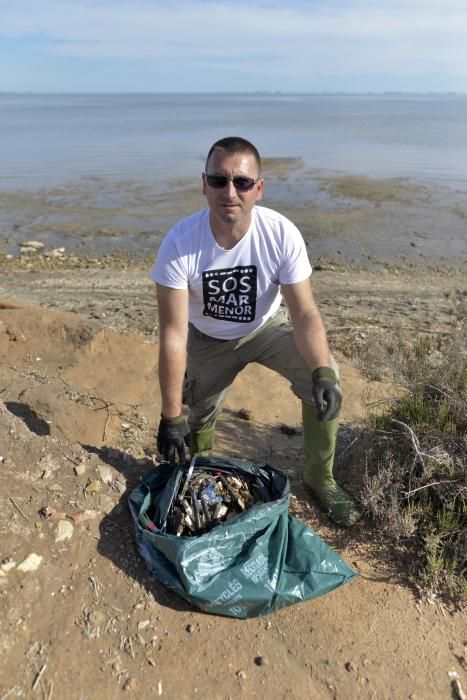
{"x":51,"y":140}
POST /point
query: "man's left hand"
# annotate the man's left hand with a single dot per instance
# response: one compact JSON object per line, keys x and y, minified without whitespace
{"x":328,"y":398}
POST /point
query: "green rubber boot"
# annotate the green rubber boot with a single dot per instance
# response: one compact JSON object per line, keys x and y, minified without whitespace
{"x":319,"y":439}
{"x":201,"y":442}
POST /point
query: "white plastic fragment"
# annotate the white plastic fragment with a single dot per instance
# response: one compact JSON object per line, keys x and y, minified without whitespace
{"x":64,"y":530}
{"x":31,"y":563}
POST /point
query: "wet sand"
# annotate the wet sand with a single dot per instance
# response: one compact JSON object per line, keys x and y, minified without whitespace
{"x":347,"y":222}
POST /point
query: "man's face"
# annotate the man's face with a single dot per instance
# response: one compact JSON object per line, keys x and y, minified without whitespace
{"x":230,"y":207}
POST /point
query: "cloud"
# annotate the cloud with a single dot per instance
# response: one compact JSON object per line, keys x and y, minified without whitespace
{"x":327,"y":37}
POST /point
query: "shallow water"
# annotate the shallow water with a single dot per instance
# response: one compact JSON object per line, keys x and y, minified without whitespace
{"x":47,"y":140}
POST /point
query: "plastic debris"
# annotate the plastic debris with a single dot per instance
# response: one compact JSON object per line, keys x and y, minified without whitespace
{"x":31,"y":563}
{"x":207,"y":499}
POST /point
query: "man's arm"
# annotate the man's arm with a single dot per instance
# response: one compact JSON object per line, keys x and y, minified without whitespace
{"x":173,"y":327}
{"x":310,"y":339}
{"x":309,"y":333}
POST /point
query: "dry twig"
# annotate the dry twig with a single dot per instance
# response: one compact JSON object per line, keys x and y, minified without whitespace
{"x":38,"y":677}
{"x":19,"y":509}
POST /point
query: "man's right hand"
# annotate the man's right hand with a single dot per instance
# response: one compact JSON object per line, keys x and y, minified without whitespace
{"x":170,"y":438}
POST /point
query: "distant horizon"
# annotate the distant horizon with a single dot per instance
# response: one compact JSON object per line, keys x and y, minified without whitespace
{"x":320,"y":93}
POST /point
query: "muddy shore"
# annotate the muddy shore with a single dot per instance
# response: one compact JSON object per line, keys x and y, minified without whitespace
{"x":347,"y":221}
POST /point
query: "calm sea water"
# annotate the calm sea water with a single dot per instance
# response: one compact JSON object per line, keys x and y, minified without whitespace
{"x":48,"y":140}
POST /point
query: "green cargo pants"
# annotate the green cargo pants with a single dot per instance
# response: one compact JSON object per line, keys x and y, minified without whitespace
{"x":213,"y":365}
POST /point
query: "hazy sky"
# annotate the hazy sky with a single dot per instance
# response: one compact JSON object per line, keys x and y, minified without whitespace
{"x":239,"y":45}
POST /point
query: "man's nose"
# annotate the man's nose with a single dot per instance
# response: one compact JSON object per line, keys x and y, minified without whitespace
{"x":230,"y":188}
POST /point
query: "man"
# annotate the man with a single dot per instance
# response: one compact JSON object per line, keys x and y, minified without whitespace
{"x":220,"y":274}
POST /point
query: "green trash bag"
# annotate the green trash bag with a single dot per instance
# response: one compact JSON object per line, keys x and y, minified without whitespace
{"x":257,"y":562}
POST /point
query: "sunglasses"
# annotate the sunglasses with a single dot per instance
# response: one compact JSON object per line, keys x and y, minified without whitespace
{"x":241,"y":183}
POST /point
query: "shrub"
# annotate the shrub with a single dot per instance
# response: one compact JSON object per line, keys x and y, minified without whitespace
{"x":415,"y":485}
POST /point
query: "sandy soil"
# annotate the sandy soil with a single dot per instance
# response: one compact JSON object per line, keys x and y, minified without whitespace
{"x":79,"y":404}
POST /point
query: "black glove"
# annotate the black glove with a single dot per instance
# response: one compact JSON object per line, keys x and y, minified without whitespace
{"x":170,"y":439}
{"x":326,"y":393}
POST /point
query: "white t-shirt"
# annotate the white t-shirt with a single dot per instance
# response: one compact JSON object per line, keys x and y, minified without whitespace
{"x":232,"y":292}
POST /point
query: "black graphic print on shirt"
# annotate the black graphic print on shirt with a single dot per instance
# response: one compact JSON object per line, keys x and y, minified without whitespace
{"x":230,"y":294}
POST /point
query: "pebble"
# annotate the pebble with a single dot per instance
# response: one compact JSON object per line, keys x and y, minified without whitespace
{"x":189,"y":628}
{"x":349,"y":666}
{"x":105,"y":473}
{"x":261,"y":661}
{"x":80,"y":469}
{"x":131,"y":684}
{"x":241,"y":674}
{"x":27,"y":250}
{"x":7,"y":565}
{"x":64,"y":531}
{"x":244,"y":414}
{"x":35,"y":245}
{"x":31,"y":563}
{"x":94,"y":486}
{"x":96,"y":618}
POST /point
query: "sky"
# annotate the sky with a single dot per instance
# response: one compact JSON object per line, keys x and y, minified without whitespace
{"x":189,"y":46}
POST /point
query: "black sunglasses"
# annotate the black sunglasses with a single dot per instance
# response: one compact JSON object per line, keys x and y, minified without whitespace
{"x":241,"y":183}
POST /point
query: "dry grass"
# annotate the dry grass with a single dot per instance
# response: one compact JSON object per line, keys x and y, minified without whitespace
{"x":415,"y":485}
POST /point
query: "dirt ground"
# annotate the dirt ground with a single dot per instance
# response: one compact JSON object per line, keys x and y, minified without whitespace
{"x":81,"y":617}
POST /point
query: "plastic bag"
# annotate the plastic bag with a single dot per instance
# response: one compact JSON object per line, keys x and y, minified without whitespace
{"x":255,"y":563}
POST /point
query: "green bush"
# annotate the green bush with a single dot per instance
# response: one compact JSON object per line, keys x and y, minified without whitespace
{"x":415,"y":487}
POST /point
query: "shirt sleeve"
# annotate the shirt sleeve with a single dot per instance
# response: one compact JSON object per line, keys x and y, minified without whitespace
{"x":170,"y":268}
{"x":295,"y":265}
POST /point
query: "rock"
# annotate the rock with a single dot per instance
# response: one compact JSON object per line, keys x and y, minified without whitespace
{"x":106,"y":504}
{"x":64,"y":531}
{"x":55,"y":253}
{"x":27,"y":250}
{"x":189,"y":629}
{"x":244,"y":414}
{"x":131,"y":684}
{"x":7,"y":565}
{"x":289,"y":430}
{"x":142,"y":624}
{"x":80,"y":469}
{"x":35,"y":245}
{"x":94,"y":486}
{"x":96,"y":618}
{"x":261,"y":661}
{"x":105,"y":473}
{"x":48,"y":465}
{"x":349,"y":666}
{"x":31,"y":563}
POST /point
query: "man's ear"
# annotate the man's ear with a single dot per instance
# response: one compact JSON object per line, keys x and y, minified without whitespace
{"x":259,"y":191}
